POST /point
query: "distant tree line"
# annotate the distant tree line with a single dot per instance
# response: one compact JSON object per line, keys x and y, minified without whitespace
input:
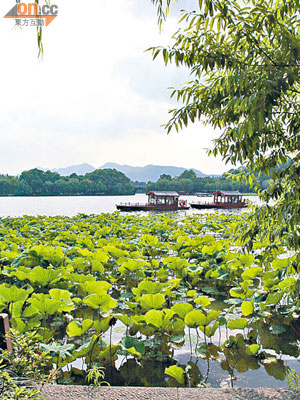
{"x":188,"y":182}
{"x":39,"y":183}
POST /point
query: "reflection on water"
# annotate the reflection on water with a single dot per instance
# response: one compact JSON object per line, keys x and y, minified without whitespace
{"x":73,"y":205}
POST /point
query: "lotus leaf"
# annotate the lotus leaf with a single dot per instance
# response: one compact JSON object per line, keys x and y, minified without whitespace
{"x":195,"y":318}
{"x":176,"y":372}
{"x":247,"y":308}
{"x":94,"y":287}
{"x":43,"y":304}
{"x":148,"y":287}
{"x":102,"y":325}
{"x":252,"y":272}
{"x":64,"y":297}
{"x":237,"y":323}
{"x":152,"y":301}
{"x":12,"y":294}
{"x":44,"y":276}
{"x":181,"y":309}
{"x":252,"y":349}
{"x":101,"y":301}
{"x":203,"y":301}
{"x":76,"y":329}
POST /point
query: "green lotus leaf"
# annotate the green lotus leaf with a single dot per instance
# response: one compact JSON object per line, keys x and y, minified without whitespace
{"x":209,"y":331}
{"x":181,"y":309}
{"x":64,"y":297}
{"x":211,"y":316}
{"x":97,"y":266}
{"x":237,"y":292}
{"x":102,"y":325}
{"x":44,"y":276}
{"x":124,"y":319}
{"x":252,"y":349}
{"x":101,"y":256}
{"x":246,"y":260}
{"x":114,"y":251}
{"x":12,"y":294}
{"x":94,"y":287}
{"x":203,"y":301}
{"x":76,"y":329}
{"x":62,"y":351}
{"x":212,"y":249}
{"x":103,"y":301}
{"x":273,"y":298}
{"x":155,"y":318}
{"x":160,"y":319}
{"x":252,"y":272}
{"x":134,"y":353}
{"x":131,"y":266}
{"x":237,"y":323}
{"x":43,"y":304}
{"x":148,"y":287}
{"x":195,"y":318}
{"x":287,"y":284}
{"x":152,"y":301}
{"x":129,"y":342}
{"x":18,"y":325}
{"x":176,"y":263}
{"x":149,"y":240}
{"x":109,"y":353}
{"x":176,"y":372}
{"x":22,"y":273}
{"x":82,"y":351}
{"x":280,"y":263}
{"x":247,"y":308}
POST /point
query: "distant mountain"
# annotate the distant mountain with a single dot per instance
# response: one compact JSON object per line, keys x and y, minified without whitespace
{"x":149,"y":172}
{"x":80,"y":169}
{"x":140,"y":174}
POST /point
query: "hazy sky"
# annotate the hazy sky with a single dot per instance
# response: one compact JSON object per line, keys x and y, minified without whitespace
{"x":96,"y":96}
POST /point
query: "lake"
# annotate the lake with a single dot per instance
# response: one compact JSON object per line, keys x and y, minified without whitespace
{"x":73,"y":205}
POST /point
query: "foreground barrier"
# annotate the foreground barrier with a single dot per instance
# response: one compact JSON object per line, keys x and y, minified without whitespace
{"x":5,"y":341}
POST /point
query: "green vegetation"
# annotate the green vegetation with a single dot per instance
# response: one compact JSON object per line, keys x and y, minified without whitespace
{"x":103,"y":287}
{"x":22,"y":370}
{"x":243,"y":58}
{"x":188,"y":182}
{"x":39,"y":183}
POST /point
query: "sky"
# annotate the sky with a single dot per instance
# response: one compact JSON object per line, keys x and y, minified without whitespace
{"x":96,"y":96}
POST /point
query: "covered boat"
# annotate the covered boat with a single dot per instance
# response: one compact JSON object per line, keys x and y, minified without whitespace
{"x":157,"y":201}
{"x":223,"y":199}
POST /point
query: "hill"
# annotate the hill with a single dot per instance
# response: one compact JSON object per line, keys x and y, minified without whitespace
{"x":149,"y":173}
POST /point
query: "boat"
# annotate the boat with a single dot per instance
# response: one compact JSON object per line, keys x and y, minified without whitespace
{"x":223,"y":200}
{"x":157,"y":201}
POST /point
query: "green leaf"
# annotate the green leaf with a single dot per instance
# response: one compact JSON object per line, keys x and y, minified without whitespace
{"x":176,"y":372}
{"x":101,"y":301}
{"x":247,"y":308}
{"x":204,"y":301}
{"x":181,"y":309}
{"x":195,"y":318}
{"x":76,"y":329}
{"x":237,"y":323}
{"x":252,"y":349}
{"x":44,"y":277}
{"x":152,"y":301}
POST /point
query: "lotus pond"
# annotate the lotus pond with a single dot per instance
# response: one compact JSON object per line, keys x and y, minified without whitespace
{"x":159,"y":300}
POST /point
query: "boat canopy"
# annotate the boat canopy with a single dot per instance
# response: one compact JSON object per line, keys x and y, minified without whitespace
{"x":226,"y":197}
{"x":168,"y":198}
{"x":163,"y":194}
{"x":227,"y":193}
